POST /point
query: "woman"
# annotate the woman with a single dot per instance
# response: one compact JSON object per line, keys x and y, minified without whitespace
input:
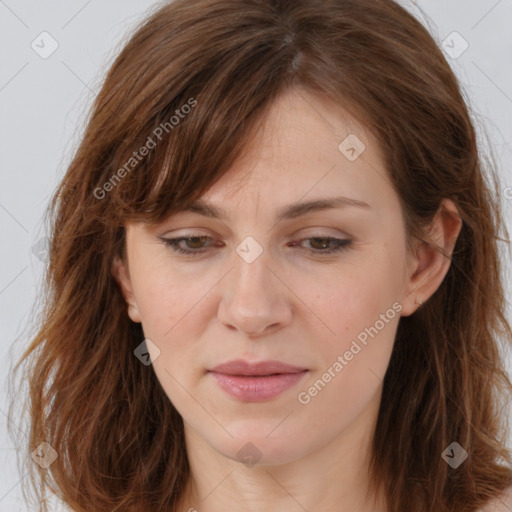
{"x":274,"y":280}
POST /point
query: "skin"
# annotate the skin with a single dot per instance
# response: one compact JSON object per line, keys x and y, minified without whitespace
{"x":290,"y":304}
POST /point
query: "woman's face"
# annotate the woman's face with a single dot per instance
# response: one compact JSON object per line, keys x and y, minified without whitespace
{"x":266,"y":288}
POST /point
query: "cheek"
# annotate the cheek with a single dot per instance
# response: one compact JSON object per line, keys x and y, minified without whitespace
{"x":175,"y":310}
{"x":167,"y":300}
{"x":360,"y":308}
{"x":350,"y":372}
{"x":354,"y":297}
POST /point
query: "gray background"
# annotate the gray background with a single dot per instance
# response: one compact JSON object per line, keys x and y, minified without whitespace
{"x":44,"y":103}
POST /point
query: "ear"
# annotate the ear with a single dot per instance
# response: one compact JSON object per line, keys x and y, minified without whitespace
{"x":427,"y":266}
{"x":122,"y":276}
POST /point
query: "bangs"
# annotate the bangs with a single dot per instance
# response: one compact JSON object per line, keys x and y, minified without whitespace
{"x":185,"y":130}
{"x":173,"y":161}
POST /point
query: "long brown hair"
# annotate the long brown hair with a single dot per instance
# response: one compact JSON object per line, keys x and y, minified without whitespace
{"x":191,"y":85}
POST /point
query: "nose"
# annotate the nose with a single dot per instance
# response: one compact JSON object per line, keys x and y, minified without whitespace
{"x":255,"y":298}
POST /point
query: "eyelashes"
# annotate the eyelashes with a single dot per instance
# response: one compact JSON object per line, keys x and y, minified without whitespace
{"x":335,"y":245}
{"x":338,"y":244}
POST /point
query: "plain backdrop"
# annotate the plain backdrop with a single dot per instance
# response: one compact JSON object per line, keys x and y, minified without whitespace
{"x":44,"y":100}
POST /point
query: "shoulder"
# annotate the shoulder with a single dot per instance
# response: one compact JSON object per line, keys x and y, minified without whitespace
{"x":502,"y":503}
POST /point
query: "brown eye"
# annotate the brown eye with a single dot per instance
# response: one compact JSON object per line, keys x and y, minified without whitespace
{"x":195,"y":244}
{"x":327,"y":245}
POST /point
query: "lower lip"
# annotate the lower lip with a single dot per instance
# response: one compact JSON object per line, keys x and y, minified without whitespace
{"x":256,"y":389}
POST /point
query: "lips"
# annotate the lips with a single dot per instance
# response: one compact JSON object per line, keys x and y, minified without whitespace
{"x":256,"y":382}
{"x":244,"y":368}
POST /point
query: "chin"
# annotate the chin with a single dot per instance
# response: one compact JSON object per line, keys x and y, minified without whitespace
{"x":254,"y":445}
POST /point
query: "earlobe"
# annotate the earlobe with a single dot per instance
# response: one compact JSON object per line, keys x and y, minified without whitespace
{"x":120,"y":272}
{"x":430,"y":261}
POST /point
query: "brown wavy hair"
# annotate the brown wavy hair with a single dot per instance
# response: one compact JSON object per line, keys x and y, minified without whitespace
{"x":120,"y":441}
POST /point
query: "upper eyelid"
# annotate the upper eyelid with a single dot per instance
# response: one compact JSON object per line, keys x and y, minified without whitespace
{"x":314,"y":232}
{"x":211,"y":240}
{"x":297,"y":238}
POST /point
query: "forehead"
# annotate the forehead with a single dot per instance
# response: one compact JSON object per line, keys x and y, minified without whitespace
{"x":306,"y":148}
{"x":301,"y":123}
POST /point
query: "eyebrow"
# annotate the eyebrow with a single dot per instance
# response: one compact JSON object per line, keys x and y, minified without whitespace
{"x":291,"y":211}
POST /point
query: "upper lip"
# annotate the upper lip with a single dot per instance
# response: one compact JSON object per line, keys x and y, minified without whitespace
{"x":241,"y":367}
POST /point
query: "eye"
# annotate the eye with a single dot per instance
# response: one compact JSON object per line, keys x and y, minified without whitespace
{"x":174,"y":243}
{"x":195,"y":244}
{"x":328,"y":244}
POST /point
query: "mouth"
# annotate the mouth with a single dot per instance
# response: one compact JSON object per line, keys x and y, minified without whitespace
{"x":244,"y":368}
{"x":256,"y":382}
